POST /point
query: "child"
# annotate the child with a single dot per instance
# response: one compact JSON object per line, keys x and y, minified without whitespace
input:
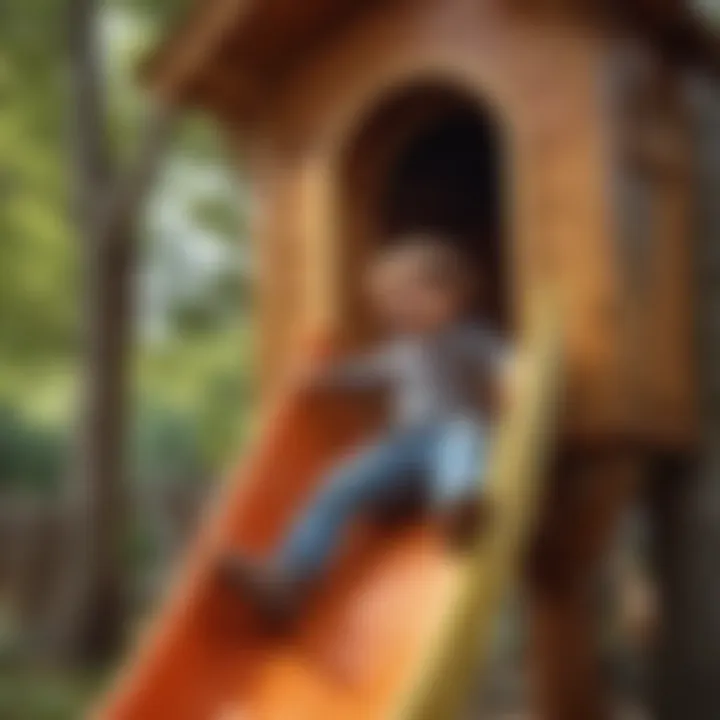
{"x":420,"y":288}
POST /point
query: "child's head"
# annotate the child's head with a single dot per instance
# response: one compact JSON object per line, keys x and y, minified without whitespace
{"x":419,"y":284}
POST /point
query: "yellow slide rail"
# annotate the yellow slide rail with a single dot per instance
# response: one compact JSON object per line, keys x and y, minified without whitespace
{"x":521,"y":457}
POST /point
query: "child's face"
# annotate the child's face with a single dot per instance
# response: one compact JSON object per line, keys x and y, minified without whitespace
{"x":408,"y":299}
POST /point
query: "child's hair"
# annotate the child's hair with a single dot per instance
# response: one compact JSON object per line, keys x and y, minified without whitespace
{"x":438,"y":259}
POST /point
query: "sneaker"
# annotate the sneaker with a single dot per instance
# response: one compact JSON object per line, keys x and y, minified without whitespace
{"x":467,"y":521}
{"x":274,"y":595}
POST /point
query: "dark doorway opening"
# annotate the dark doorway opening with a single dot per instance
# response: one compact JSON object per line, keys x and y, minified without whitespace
{"x":446,"y":181}
{"x":430,"y":160}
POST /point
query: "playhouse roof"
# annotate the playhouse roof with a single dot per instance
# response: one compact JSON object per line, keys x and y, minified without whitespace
{"x":225,"y":51}
{"x":255,"y":38}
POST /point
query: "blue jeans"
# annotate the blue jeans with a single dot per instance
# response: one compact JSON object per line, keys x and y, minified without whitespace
{"x":447,"y":458}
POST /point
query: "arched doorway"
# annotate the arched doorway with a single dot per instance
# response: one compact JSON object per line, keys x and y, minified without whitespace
{"x":428,"y":160}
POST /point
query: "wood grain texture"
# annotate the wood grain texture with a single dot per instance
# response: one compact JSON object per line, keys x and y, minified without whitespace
{"x":542,"y":83}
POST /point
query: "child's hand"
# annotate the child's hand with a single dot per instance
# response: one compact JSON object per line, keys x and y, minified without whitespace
{"x":306,"y":377}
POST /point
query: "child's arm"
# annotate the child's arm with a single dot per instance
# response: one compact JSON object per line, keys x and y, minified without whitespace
{"x":496,"y":357}
{"x":360,"y":372}
{"x":490,"y":349}
{"x":366,"y":371}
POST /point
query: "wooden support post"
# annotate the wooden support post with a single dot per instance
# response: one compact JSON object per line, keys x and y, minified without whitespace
{"x":684,"y":503}
{"x":584,"y":504}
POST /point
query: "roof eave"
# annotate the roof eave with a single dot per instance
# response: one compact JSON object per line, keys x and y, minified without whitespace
{"x":176,"y":71}
{"x":177,"y":65}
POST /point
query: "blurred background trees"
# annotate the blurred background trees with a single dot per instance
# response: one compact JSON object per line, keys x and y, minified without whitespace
{"x":188,"y":366}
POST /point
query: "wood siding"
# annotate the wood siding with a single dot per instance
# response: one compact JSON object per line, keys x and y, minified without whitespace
{"x":545,"y":82}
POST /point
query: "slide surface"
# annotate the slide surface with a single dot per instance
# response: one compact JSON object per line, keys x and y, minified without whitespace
{"x":394,"y":630}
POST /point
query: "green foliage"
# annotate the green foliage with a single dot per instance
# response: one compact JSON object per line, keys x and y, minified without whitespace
{"x":32,"y":697}
{"x":190,"y":386}
{"x":32,"y":457}
{"x":216,"y":215}
{"x":38,"y":276}
{"x":165,"y":446}
{"x":190,"y":381}
{"x":200,"y":386}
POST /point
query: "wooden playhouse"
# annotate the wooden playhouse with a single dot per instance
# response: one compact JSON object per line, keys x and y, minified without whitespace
{"x":551,"y":139}
{"x":577,"y":107}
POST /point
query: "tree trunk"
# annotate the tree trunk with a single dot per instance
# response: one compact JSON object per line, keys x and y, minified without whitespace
{"x":586,"y":498}
{"x":99,"y":508}
{"x":88,"y":619}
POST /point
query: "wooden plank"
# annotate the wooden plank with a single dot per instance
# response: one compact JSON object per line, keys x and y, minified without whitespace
{"x":185,"y":55}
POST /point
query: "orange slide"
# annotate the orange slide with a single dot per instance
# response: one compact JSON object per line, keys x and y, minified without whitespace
{"x":360,"y":648}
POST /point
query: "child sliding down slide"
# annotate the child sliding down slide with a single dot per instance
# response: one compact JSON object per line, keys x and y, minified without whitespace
{"x":434,"y":364}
